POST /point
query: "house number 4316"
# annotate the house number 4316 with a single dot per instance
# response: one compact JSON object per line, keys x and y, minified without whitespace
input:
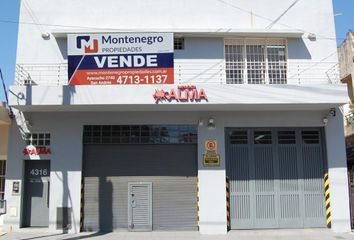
{"x":39,"y":172}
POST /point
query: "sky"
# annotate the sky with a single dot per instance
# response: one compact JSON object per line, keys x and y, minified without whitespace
{"x":9,"y":10}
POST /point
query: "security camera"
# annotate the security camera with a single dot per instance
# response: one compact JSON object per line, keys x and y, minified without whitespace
{"x":332,"y":112}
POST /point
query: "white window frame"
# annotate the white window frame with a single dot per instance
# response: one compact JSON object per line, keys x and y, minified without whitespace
{"x":178,"y":43}
{"x":256,"y":42}
{"x":33,"y":139}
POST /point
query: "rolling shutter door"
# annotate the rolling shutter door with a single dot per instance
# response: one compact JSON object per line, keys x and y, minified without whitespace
{"x":172,"y":170}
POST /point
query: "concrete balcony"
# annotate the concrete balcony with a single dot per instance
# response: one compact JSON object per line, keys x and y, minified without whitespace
{"x":302,"y":86}
{"x":212,"y":71}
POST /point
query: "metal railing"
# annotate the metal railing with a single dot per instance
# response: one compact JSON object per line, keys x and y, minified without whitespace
{"x":213,"y":72}
{"x":313,"y":72}
{"x":41,"y":74}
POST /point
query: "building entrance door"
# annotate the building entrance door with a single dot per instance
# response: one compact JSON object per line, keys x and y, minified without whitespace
{"x":36,"y":198}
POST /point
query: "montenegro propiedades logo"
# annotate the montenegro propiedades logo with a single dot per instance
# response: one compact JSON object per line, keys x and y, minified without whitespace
{"x":90,"y":45}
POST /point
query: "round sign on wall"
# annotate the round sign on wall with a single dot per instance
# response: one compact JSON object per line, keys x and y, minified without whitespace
{"x":210,"y":145}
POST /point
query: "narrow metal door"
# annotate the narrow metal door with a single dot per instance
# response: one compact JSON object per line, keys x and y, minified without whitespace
{"x":36,"y":198}
{"x":140,"y":206}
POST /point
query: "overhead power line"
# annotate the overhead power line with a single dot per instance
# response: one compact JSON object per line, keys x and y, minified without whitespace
{"x":281,"y":15}
{"x":273,"y":20}
{"x":109,"y":28}
{"x":315,"y":64}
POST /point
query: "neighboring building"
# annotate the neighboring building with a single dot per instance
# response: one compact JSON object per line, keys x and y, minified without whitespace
{"x":5,"y":122}
{"x":208,"y":115}
{"x":346,"y":67}
{"x":346,"y":63}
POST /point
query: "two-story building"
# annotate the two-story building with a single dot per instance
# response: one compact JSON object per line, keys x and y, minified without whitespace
{"x":177,"y":115}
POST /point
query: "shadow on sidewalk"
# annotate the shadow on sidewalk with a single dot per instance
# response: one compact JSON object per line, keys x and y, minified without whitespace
{"x":63,"y":236}
{"x":38,"y":237}
{"x":97,"y":234}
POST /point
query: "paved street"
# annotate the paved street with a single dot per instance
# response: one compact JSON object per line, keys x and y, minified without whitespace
{"x":308,"y":234}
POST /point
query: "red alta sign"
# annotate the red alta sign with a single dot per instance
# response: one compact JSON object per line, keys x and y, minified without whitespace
{"x":36,"y":150}
{"x":185,"y":93}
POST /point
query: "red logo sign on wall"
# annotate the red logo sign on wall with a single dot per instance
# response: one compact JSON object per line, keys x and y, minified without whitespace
{"x":36,"y":150}
{"x":185,"y":93}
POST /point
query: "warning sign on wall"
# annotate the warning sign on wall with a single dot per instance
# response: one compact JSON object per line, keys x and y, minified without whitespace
{"x":211,"y":158}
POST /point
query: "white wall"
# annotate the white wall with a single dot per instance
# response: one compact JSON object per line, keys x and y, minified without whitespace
{"x":212,"y":183}
{"x":66,"y":145}
{"x":14,"y":170}
{"x":222,"y":97}
{"x":337,"y":173}
{"x":222,"y":16}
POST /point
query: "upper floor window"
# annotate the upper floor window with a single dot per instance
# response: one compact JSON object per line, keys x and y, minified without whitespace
{"x":178,"y":43}
{"x":256,"y":61}
{"x":37,"y":139}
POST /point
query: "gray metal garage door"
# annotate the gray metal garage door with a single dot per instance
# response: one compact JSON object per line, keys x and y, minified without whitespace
{"x":108,"y":169}
{"x":276,"y":178}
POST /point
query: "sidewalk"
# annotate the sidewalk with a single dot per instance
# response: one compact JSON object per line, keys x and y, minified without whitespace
{"x":294,"y":234}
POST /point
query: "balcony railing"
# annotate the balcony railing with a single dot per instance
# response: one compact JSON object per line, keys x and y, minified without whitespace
{"x":41,"y":74}
{"x":211,"y":72}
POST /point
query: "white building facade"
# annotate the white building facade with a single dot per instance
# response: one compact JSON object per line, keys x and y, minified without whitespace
{"x":229,"y":120}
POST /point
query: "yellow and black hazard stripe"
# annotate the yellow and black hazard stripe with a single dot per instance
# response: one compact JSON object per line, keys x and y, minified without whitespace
{"x":198,"y":202}
{"x":328,"y":201}
{"x":82,"y":206}
{"x":228,"y":203}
